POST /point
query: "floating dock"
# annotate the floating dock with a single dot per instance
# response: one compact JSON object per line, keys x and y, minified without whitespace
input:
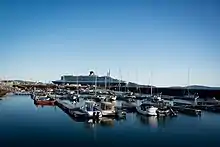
{"x":74,"y":111}
{"x":70,"y":109}
{"x":67,"y":107}
{"x":186,"y":110}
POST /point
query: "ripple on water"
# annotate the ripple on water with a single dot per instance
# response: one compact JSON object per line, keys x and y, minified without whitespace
{"x":21,"y":121}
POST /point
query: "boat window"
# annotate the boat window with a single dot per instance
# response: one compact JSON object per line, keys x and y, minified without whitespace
{"x":94,"y":109}
{"x":108,"y":107}
{"x":143,"y":108}
{"x":88,"y":108}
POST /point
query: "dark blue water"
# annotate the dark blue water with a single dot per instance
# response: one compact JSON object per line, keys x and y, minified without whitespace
{"x":24,"y":124}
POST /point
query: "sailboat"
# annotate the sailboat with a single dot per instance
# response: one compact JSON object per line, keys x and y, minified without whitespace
{"x":147,"y":108}
{"x":153,"y":97}
{"x":109,"y":96}
{"x":189,"y":96}
{"x":77,"y":96}
{"x":98,"y":96}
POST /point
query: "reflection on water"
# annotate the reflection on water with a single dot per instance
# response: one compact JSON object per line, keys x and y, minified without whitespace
{"x":154,"y":121}
{"x":107,"y":122}
{"x":20,"y":121}
{"x":151,"y":120}
{"x":91,"y":123}
{"x":42,"y":106}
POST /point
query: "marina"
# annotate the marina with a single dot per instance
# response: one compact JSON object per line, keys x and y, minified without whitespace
{"x":37,"y":123}
{"x":139,"y":73}
{"x":114,"y":114}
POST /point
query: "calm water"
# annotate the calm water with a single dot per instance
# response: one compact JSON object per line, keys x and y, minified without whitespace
{"x":24,"y":124}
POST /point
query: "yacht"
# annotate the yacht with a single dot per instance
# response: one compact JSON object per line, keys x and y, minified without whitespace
{"x":147,"y":110}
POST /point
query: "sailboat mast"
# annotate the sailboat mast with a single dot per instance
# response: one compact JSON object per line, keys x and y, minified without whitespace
{"x":188,"y":81}
{"x":120,"y":79}
{"x":95,"y":83}
{"x":106,"y":82}
{"x":137,"y":81}
{"x":108,"y":79}
{"x":127,"y":88}
{"x":151,"y":88}
{"x":77,"y":83}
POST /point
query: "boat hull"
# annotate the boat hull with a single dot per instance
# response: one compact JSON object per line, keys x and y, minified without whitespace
{"x":92,"y":114}
{"x":108,"y":113}
{"x":44,"y":102}
{"x":148,"y":112}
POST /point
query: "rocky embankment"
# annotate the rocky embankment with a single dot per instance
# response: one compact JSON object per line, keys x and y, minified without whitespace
{"x":3,"y":92}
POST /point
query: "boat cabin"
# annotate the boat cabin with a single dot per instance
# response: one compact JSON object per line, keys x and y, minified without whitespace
{"x":107,"y":106}
{"x":90,"y":106}
{"x":144,"y":107}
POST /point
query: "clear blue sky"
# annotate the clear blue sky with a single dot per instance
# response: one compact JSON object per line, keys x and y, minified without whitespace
{"x":44,"y":39}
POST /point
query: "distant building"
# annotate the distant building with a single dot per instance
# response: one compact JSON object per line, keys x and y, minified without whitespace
{"x":91,"y":79}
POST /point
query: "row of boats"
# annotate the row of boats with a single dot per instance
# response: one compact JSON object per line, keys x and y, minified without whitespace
{"x":89,"y":108}
{"x":103,"y":105}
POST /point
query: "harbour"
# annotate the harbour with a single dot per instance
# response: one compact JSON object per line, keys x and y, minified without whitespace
{"x":99,"y":114}
{"x":110,"y":73}
{"x":42,"y":124}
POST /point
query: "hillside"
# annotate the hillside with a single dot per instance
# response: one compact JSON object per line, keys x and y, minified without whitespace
{"x":199,"y":87}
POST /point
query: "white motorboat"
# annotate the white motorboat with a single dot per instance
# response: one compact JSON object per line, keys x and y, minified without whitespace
{"x":107,"y":109}
{"x":91,"y":110}
{"x":147,"y":110}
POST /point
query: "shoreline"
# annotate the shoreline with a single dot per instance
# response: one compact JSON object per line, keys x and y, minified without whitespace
{"x":3,"y":92}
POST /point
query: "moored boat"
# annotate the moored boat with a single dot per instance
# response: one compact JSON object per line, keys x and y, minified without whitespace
{"x":90,"y":108}
{"x":107,"y":109}
{"x":147,"y":110}
{"x":44,"y":100}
